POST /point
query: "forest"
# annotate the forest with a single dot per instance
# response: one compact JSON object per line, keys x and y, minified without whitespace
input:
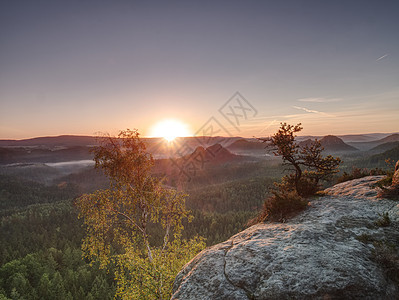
{"x":41,"y":235}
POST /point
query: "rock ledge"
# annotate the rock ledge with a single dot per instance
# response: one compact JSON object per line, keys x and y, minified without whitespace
{"x":316,"y":255}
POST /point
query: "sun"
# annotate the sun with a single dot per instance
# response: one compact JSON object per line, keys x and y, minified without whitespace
{"x":170,"y":129}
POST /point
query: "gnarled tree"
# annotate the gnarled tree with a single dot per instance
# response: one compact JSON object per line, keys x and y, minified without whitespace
{"x":309,"y":165}
{"x":309,"y":168}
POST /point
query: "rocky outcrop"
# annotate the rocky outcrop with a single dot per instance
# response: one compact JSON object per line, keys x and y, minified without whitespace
{"x":316,"y":255}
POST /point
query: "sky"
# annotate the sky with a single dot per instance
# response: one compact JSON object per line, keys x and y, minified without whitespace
{"x":82,"y":67}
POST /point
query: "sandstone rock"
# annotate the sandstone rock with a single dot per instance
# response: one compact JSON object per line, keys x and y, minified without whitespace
{"x":316,"y":255}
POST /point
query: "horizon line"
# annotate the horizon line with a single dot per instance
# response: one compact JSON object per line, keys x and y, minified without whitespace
{"x":192,"y":136}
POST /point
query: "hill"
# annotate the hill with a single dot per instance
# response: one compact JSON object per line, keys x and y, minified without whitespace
{"x":390,"y":138}
{"x":215,"y":154}
{"x":368,"y":137}
{"x":244,"y":144}
{"x":331,"y":144}
{"x":43,"y":155}
{"x":52,"y":141}
{"x":384,"y":147}
{"x":378,"y":160}
{"x":369,"y":145}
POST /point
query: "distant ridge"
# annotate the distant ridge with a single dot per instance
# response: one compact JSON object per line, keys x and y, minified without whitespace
{"x":361,"y":141}
{"x":52,"y":141}
{"x":384,"y":147}
{"x":244,"y":144}
{"x":43,"y":155}
{"x":372,"y":144}
{"x":390,"y":138}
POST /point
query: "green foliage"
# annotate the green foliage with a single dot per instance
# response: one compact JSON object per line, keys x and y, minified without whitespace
{"x":217,"y":227}
{"x":378,"y":160}
{"x":138,"y":278}
{"x":54,"y":274}
{"x":118,"y":221}
{"x":39,"y":227}
{"x":239,"y":195}
{"x":15,"y":192}
{"x":221,"y":211}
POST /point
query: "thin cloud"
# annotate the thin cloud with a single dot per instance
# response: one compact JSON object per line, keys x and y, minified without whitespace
{"x":312,"y":111}
{"x":381,"y":57}
{"x":320,"y":100}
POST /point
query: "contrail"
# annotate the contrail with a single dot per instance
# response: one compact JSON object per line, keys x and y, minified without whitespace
{"x":382,"y":57}
{"x":313,"y":111}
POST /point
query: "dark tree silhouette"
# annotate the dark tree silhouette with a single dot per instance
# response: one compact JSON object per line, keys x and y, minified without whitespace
{"x":308,"y":163}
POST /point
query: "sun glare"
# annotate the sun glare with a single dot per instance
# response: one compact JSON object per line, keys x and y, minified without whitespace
{"x":170,"y":129}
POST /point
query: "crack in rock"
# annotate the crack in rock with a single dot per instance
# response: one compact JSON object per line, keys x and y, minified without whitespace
{"x":247,"y":291}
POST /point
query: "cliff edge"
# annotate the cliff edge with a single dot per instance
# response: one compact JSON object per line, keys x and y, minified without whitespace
{"x":327,"y":252}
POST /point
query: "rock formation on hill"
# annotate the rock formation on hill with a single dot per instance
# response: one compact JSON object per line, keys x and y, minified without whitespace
{"x":331,"y":143}
{"x":215,"y":154}
{"x":324,"y":253}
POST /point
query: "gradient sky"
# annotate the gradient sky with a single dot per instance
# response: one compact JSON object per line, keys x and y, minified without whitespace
{"x":79,"y":67}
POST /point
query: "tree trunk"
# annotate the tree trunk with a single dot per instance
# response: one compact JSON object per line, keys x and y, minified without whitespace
{"x":298,"y":174}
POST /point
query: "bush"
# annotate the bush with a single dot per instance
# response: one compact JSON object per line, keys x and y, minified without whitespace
{"x":359,"y":173}
{"x":391,"y":192}
{"x":387,"y":190}
{"x":279,"y":207}
{"x":386,"y":181}
{"x":306,"y":186}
